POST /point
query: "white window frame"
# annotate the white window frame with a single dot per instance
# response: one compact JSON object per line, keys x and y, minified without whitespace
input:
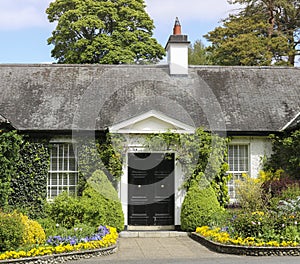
{"x":63,"y":172}
{"x":237,"y":174}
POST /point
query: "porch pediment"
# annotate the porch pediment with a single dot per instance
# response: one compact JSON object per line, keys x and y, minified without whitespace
{"x":151,"y":122}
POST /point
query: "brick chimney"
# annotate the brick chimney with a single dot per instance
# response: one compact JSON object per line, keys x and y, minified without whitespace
{"x":177,"y":49}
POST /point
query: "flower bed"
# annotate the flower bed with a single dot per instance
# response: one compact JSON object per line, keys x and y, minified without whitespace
{"x":223,"y":237}
{"x":245,"y":250}
{"x":59,"y":245}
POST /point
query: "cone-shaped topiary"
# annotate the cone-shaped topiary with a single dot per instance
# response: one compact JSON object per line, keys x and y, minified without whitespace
{"x":199,"y":205}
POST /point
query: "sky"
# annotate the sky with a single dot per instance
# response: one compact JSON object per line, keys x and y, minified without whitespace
{"x":24,"y":27}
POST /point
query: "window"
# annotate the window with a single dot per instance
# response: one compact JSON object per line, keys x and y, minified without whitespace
{"x":238,"y":161}
{"x":63,"y":174}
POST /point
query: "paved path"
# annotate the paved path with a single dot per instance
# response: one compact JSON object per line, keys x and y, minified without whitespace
{"x":179,"y":250}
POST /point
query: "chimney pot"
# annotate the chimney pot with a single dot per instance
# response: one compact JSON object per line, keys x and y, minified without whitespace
{"x":177,"y":27}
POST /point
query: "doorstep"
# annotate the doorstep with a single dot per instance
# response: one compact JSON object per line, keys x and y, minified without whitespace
{"x":153,"y":234}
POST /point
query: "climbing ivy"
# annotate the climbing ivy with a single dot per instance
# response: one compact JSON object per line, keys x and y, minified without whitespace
{"x":102,"y":153}
{"x":23,"y":173}
{"x":201,"y":154}
{"x":28,"y":187}
{"x":285,"y":154}
{"x":10,"y":144}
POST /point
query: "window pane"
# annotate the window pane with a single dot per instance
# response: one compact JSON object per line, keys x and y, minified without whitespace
{"x":238,"y":160}
{"x":63,"y":160}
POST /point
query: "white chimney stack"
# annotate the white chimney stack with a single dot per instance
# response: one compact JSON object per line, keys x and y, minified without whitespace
{"x":177,"y":48}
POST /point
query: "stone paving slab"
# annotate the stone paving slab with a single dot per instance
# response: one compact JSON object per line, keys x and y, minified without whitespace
{"x":135,"y":234}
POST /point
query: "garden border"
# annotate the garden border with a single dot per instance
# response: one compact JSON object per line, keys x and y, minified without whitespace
{"x":245,"y":250}
{"x":63,"y":257}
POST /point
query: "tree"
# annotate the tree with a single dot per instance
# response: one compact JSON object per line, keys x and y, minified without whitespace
{"x":286,"y":154}
{"x":102,"y":31}
{"x":198,"y":55}
{"x":264,"y":32}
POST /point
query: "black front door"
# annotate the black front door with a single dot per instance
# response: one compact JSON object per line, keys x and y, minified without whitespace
{"x":150,"y":189}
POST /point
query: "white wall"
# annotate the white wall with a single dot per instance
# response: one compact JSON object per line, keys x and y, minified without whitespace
{"x":258,"y":148}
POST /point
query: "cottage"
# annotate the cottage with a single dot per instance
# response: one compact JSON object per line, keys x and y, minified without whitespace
{"x":59,"y":101}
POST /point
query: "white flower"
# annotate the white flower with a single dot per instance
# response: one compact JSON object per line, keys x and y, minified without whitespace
{"x":57,"y":225}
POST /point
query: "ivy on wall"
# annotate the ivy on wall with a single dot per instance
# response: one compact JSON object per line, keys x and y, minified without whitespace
{"x":23,"y":173}
{"x":286,"y":154}
{"x":102,"y":153}
{"x":10,"y":144}
{"x":201,"y":154}
{"x":28,"y":187}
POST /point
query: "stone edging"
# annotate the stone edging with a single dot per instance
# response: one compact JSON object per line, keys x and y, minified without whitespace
{"x":245,"y":250}
{"x":63,"y":257}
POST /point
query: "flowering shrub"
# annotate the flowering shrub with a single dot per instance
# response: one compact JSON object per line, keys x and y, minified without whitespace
{"x":223,"y":237}
{"x":11,"y":231}
{"x":109,"y":239}
{"x":33,"y":231}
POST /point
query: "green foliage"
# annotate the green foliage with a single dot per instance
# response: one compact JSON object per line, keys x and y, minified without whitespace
{"x":101,"y":211}
{"x":11,"y":231}
{"x":92,"y":208}
{"x":250,"y":194}
{"x":67,"y":210}
{"x":262,"y":33}
{"x":286,"y":154}
{"x":249,"y":224}
{"x":10,"y":145}
{"x":202,"y":153}
{"x":199,"y":206}
{"x":101,"y":184}
{"x":100,"y":154}
{"x":23,"y":169}
{"x":100,"y":31}
{"x":198,"y":55}
{"x":111,"y":150}
{"x":28,"y":187}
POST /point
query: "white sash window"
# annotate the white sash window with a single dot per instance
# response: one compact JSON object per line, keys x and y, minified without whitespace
{"x":238,"y":161}
{"x":63,"y":174}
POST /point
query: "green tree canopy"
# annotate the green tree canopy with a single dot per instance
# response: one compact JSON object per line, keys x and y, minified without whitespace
{"x":264,"y":32}
{"x":198,"y":55}
{"x":102,"y":31}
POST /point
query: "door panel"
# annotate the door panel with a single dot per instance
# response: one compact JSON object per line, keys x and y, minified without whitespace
{"x":150,"y":189}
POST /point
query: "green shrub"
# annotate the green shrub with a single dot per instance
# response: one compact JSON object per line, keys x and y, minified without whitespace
{"x":93,"y":208}
{"x":49,"y":226}
{"x":250,"y":194}
{"x":253,"y":224}
{"x":101,"y":211}
{"x":199,"y":206}
{"x":11,"y":231}
{"x":67,"y":210}
{"x":101,"y":184}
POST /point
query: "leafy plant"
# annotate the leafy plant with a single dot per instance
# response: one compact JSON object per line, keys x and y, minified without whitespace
{"x":250,"y":195}
{"x":11,"y":231}
{"x":199,"y":206}
{"x":33,"y":232}
{"x":91,"y":208}
{"x":28,"y":187}
{"x":199,"y":153}
{"x":10,"y":145}
{"x":286,"y":154}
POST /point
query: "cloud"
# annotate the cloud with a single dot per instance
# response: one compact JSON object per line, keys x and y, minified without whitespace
{"x":20,"y":14}
{"x":205,"y":10}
